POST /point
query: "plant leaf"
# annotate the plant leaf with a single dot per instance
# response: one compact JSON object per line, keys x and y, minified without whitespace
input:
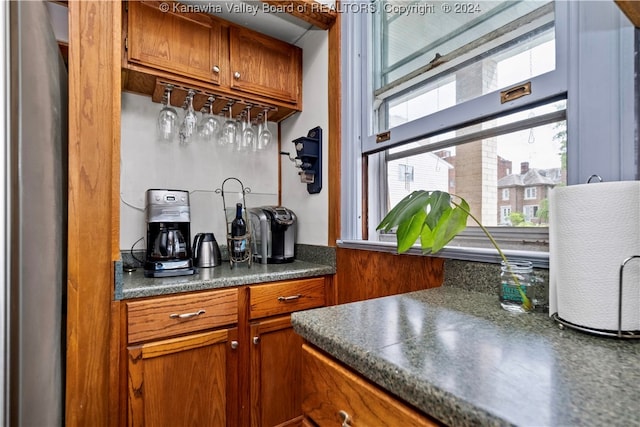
{"x":409,"y":231}
{"x":426,"y":238}
{"x":439,"y":202}
{"x":405,"y":210}
{"x":450,"y":224}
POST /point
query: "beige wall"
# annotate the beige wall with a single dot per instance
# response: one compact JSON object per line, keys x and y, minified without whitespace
{"x":311,"y":209}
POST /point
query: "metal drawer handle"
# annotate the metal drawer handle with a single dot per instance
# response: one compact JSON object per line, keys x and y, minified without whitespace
{"x":290,"y":298}
{"x":345,"y":418}
{"x":186,"y":315}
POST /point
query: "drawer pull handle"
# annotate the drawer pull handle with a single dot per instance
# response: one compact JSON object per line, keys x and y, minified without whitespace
{"x":234,"y":344}
{"x":290,"y":298}
{"x":345,"y":418}
{"x":256,"y":340}
{"x":186,"y":315}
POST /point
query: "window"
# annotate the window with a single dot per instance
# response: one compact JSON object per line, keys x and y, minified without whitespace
{"x":468,"y":57}
{"x":505,"y":214}
{"x":530,"y":213}
{"x":530,"y":193}
{"x":431,"y":98}
{"x":477,"y":163}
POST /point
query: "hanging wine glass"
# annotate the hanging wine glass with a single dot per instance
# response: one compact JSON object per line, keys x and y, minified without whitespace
{"x":167,"y":123}
{"x":229,"y":129}
{"x":190,"y":121}
{"x":248,"y":134}
{"x":209,"y":126}
{"x":264,"y":139}
{"x":221,"y":120}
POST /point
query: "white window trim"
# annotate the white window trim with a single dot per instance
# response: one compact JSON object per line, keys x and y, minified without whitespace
{"x":528,"y":191}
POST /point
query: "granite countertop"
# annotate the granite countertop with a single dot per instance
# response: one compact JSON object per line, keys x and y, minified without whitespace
{"x":135,"y":285}
{"x":460,"y":358}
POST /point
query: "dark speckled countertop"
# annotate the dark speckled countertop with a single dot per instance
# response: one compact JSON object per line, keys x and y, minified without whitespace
{"x":135,"y":285}
{"x":457,"y":356}
{"x":310,"y":261}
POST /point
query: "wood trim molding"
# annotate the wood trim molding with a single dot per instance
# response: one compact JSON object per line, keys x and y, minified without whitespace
{"x":335,"y":131}
{"x":311,"y":11}
{"x":94,"y":141}
{"x":631,"y":8}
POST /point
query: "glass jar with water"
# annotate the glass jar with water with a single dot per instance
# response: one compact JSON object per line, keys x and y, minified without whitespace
{"x":517,"y":290}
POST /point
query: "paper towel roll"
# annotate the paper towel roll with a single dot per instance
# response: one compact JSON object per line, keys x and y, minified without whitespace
{"x":593,"y":228}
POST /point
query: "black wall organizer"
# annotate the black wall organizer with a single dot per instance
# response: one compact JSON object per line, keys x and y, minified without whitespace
{"x":309,"y":153}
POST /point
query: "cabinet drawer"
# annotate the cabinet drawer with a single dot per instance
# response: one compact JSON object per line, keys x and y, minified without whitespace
{"x":286,"y":297}
{"x":330,"y":392}
{"x":174,"y":315}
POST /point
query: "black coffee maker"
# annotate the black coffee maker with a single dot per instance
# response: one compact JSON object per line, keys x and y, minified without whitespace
{"x":168,"y":234}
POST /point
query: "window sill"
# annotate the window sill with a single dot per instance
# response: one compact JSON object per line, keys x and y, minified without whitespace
{"x":539,"y":259}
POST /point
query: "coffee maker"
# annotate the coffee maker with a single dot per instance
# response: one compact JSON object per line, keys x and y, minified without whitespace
{"x":168,"y":234}
{"x":274,"y":231}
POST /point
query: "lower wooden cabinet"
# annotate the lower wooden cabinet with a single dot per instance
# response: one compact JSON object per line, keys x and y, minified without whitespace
{"x":227,"y":357}
{"x":276,"y":378}
{"x":334,"y":395}
{"x":276,"y":350}
{"x":190,"y":380}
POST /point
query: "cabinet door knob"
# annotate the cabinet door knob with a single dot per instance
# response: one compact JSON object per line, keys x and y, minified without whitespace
{"x":236,"y":75}
{"x":215,"y":69}
{"x":234,"y":344}
{"x":345,"y":418}
{"x":256,"y":340}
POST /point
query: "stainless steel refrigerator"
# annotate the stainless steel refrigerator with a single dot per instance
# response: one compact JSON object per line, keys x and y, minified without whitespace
{"x":35,"y":197}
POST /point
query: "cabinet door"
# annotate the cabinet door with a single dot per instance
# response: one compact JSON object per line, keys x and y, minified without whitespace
{"x":265,"y":66}
{"x":334,"y":394}
{"x":276,"y":383}
{"x":190,"y":380}
{"x":184,"y":43}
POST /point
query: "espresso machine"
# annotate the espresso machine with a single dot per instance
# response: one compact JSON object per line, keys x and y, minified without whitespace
{"x":168,"y":234}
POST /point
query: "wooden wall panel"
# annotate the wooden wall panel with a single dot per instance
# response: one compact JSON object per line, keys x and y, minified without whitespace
{"x":94,"y":141}
{"x":367,"y":274}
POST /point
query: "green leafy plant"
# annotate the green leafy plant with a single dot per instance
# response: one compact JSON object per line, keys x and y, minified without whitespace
{"x":435,"y":218}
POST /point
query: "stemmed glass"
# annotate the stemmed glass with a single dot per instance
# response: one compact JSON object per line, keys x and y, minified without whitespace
{"x":265,"y":134}
{"x":167,"y":124}
{"x":248,"y":134}
{"x":229,"y":130}
{"x":209,"y":126}
{"x":190,"y":121}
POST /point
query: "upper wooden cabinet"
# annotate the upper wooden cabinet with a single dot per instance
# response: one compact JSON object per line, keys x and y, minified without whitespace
{"x":187,"y":43}
{"x":164,"y":44}
{"x":260,"y":64}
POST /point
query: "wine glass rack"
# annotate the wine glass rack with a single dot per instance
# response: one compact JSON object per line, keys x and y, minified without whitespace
{"x":179,"y":93}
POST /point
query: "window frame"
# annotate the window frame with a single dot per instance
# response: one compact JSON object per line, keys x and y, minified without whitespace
{"x":530,"y":193}
{"x":545,"y":87}
{"x":579,"y":44}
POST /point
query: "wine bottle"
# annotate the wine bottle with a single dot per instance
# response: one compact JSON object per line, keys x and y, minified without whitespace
{"x":238,"y":229}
